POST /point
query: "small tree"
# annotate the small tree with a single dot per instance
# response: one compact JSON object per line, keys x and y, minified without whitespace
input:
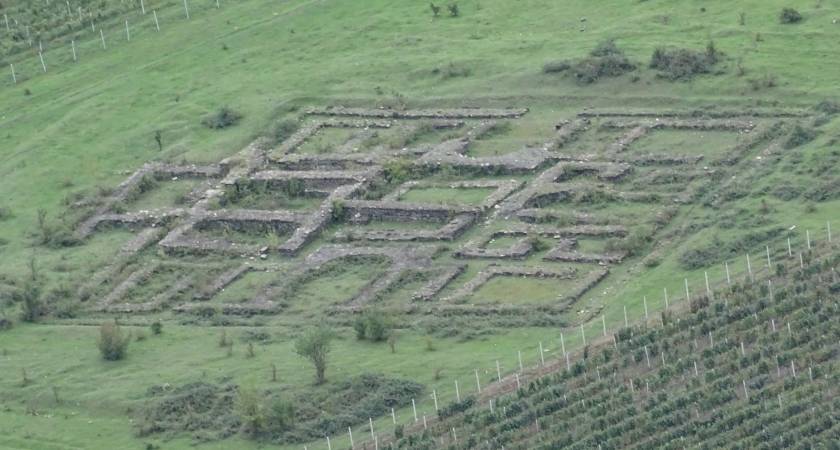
{"x":453,"y":10}
{"x":112,"y":342}
{"x":435,"y":9}
{"x":157,"y":328}
{"x":159,"y":139}
{"x":315,"y":345}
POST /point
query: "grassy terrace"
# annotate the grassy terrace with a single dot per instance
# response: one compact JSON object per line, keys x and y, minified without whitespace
{"x":76,"y":132}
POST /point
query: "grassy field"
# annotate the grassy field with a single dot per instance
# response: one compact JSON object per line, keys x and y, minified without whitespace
{"x":82,"y":128}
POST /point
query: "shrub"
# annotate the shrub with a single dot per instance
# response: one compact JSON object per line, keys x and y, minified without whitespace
{"x":606,"y":48}
{"x":283,"y":130}
{"x":223,"y":118}
{"x":556,"y":66}
{"x":590,"y":70}
{"x":456,"y":407}
{"x":112,"y":342}
{"x":360,"y":327}
{"x":377,"y":326}
{"x":435,"y":9}
{"x":29,"y":296}
{"x":800,"y":136}
{"x":453,"y":10}
{"x":280,"y":414}
{"x":337,"y":210}
{"x":201,"y":408}
{"x":53,"y":235}
{"x":684,"y":64}
{"x":825,"y":106}
{"x":452,"y":70}
{"x":789,"y":15}
{"x":605,"y":60}
{"x":397,"y":171}
{"x":157,"y":328}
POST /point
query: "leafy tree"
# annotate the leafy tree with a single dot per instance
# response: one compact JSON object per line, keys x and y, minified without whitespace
{"x":315,"y":345}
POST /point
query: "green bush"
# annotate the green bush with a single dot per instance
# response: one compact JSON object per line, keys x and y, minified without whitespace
{"x":112,"y":343}
{"x":605,"y":60}
{"x":397,"y":171}
{"x":800,"y":136}
{"x":200,"y":408}
{"x":223,"y":118}
{"x":360,"y":327}
{"x":684,"y":64}
{"x":452,"y":70}
{"x":283,"y":130}
{"x":789,"y":15}
{"x":157,"y":328}
{"x":826,"y":107}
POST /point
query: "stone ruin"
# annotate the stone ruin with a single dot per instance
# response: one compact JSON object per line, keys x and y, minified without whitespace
{"x":340,"y":182}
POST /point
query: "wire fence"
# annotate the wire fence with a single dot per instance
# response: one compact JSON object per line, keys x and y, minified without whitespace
{"x":143,"y":19}
{"x":511,"y":372}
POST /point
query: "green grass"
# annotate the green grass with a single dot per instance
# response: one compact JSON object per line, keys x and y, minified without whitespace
{"x":711,"y":144}
{"x":243,"y":289}
{"x":170,"y":193}
{"x":521,"y":291}
{"x":87,"y":125}
{"x":337,"y":283}
{"x":447,"y":196}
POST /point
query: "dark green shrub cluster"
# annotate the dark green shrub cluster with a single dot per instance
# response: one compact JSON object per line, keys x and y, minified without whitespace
{"x":684,"y":64}
{"x":632,"y":244}
{"x":205,"y":410}
{"x":223,"y":118}
{"x":606,"y":60}
{"x":53,"y":234}
{"x":397,"y":171}
{"x":282,"y":130}
{"x":373,"y":325}
{"x":828,"y":107}
{"x":456,"y":407}
{"x":112,"y":343}
{"x":789,"y":15}
{"x":800,"y":136}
